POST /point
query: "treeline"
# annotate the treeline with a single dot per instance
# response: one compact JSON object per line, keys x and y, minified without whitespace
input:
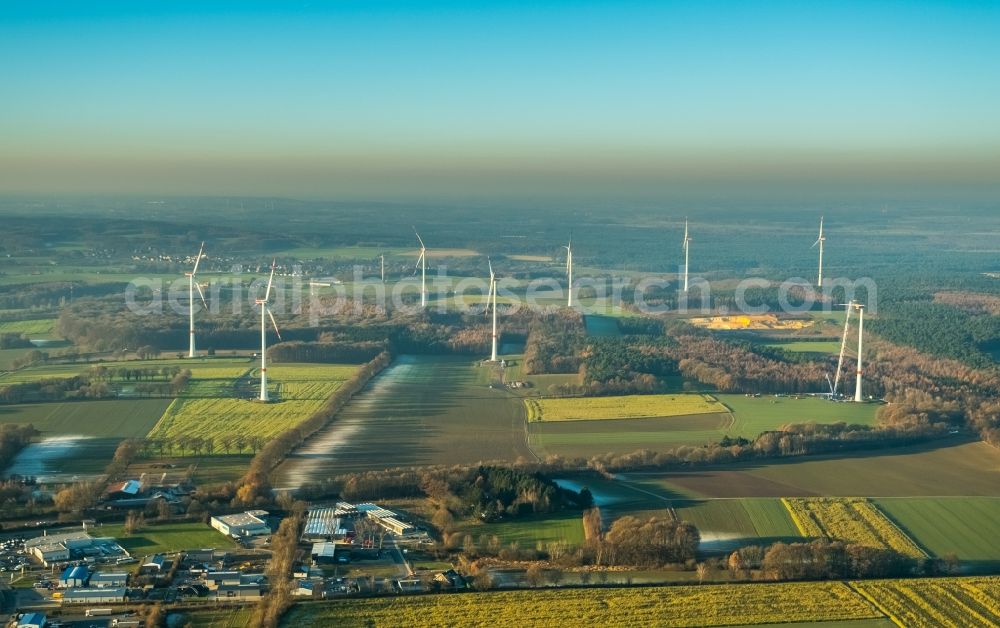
{"x":253,"y":486}
{"x":652,"y":542}
{"x":14,"y":438}
{"x":627,"y":364}
{"x":495,"y":492}
{"x":736,"y":367}
{"x":96,"y":386}
{"x":554,"y":343}
{"x":325,"y":352}
{"x":792,"y":440}
{"x":828,"y":560}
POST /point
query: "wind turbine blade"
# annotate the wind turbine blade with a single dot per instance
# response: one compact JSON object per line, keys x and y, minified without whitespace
{"x":271,"y":316}
{"x":270,"y":280}
{"x":198,"y":261}
{"x":201,"y":294}
{"x":422,"y":247}
{"x":815,"y":243}
{"x":416,"y":267}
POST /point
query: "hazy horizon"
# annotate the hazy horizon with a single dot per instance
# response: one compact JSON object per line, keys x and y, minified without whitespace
{"x":422,"y":100}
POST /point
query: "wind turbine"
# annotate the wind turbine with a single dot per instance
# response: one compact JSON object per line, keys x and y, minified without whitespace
{"x":382,"y":260}
{"x":820,"y":240}
{"x":843,"y":346}
{"x":493,"y":295}
{"x":569,"y":272}
{"x":861,"y":334}
{"x":687,"y":252}
{"x":422,"y":265}
{"x":191,"y":286}
{"x":265,"y":312}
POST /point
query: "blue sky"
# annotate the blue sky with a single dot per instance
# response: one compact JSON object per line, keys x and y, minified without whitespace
{"x":423,"y":99}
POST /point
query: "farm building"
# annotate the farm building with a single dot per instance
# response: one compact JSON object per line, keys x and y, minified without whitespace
{"x":250,"y":523}
{"x":238,"y":592}
{"x":450,"y":579}
{"x":128,"y":489}
{"x":108,"y":579}
{"x":155,"y":562}
{"x":74,"y":576}
{"x":324,"y":524}
{"x":32,"y":620}
{"x":308,"y":587}
{"x":107,"y":595}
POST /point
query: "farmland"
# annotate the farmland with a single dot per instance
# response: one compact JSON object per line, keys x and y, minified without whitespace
{"x":167,"y":538}
{"x":527,"y":531}
{"x":936,"y":602}
{"x":34,"y":327}
{"x":421,"y":410}
{"x":298,"y":391}
{"x":734,"y":416}
{"x":623,"y":407}
{"x":717,"y":605}
{"x":964,"y":526}
{"x":731,"y":523}
{"x":820,"y":347}
{"x":852,"y":520}
{"x":220,"y":370}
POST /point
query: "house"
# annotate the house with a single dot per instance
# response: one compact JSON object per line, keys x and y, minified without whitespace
{"x":102,"y":580}
{"x":155,"y":562}
{"x":129,"y":489}
{"x":450,"y":579}
{"x":74,"y":576}
{"x":32,"y":620}
{"x":409,"y":585}
{"x":238,"y":592}
{"x":250,"y":523}
{"x":107,"y":595}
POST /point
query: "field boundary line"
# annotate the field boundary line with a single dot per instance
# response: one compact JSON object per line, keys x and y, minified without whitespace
{"x":899,"y":528}
{"x":871,"y":600}
{"x":795,"y":517}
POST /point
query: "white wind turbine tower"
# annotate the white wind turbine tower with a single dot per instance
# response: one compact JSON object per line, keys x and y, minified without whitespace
{"x":843,"y":346}
{"x":265,"y":312}
{"x":687,"y":252}
{"x":422,"y":265}
{"x":569,"y":272}
{"x":493,"y":295}
{"x":192,"y":284}
{"x":820,"y":240}
{"x":861,"y":335}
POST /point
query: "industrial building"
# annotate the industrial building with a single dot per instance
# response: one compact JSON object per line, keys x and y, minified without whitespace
{"x":107,"y":595}
{"x":32,"y":620}
{"x":74,"y":576}
{"x":238,"y":592}
{"x":250,"y":523}
{"x":101,"y":580}
{"x":54,"y":548}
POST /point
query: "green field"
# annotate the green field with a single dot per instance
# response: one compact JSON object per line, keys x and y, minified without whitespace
{"x":118,"y":419}
{"x":297,"y":391}
{"x":166,"y":538}
{"x":710,"y":605}
{"x":421,"y":410}
{"x":34,"y":328}
{"x":227,"y":617}
{"x":754,"y":415}
{"x":7,"y":357}
{"x":967,"y":527}
{"x":623,"y":407}
{"x":727,"y":524}
{"x":958,"y":470}
{"x":528,"y":531}
{"x":741,"y":416}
